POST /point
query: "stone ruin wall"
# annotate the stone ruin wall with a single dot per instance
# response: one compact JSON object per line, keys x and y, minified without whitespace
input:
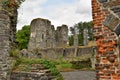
{"x":43,"y":35}
{"x":106,"y":20}
{"x":4,"y":43}
{"x":8,"y":19}
{"x":68,"y":53}
{"x":62,"y":36}
{"x":53,"y":44}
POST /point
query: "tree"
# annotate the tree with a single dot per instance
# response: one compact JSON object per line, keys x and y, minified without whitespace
{"x":80,"y":27}
{"x":23,"y":37}
{"x":71,"y":40}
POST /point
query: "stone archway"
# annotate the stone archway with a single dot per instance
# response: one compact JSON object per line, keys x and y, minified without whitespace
{"x":106,"y":18}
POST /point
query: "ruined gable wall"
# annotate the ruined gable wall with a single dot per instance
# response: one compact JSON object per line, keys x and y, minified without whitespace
{"x":38,"y":34}
{"x":106,"y":39}
{"x":43,"y":35}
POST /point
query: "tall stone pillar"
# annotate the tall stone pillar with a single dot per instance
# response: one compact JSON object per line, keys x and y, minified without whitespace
{"x":76,"y":32}
{"x":62,"y":36}
{"x":75,"y":39}
{"x":85,"y":34}
{"x":104,"y":20}
{"x":8,"y":21}
{"x":50,"y":36}
{"x":4,"y":45}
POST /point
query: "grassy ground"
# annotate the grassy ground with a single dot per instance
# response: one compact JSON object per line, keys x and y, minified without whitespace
{"x":78,"y":63}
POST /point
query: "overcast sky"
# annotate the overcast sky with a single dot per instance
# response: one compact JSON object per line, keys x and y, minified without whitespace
{"x":58,"y":12}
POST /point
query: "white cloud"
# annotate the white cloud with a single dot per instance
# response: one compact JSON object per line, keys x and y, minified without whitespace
{"x":65,"y":13}
{"x":29,"y":10}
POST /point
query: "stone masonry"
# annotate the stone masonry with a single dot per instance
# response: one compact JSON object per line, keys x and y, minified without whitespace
{"x":4,"y":43}
{"x":106,"y":20}
{"x":8,"y":19}
{"x":61,"y":36}
{"x":43,"y":35}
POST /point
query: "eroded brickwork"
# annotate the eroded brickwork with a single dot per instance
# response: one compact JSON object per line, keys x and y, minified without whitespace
{"x":106,"y":39}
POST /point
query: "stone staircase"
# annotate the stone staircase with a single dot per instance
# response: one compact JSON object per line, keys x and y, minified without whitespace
{"x":37,"y":72}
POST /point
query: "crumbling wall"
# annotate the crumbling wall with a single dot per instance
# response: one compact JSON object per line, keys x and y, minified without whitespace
{"x":43,"y":35}
{"x":38,"y":29}
{"x":62,"y":36}
{"x":31,"y":76}
{"x":8,"y":20}
{"x":51,"y":40}
{"x":4,"y":43}
{"x":105,"y":22}
{"x":66,"y":53}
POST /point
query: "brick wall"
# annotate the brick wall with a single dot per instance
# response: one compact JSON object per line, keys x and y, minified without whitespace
{"x":106,"y":39}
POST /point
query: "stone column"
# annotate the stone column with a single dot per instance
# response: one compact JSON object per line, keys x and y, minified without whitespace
{"x":85,"y":37}
{"x":75,"y":36}
{"x":62,"y":36}
{"x":52,"y":40}
{"x":4,"y":45}
{"x":75,"y":39}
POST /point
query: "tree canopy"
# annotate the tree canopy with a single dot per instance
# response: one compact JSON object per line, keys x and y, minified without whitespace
{"x":79,"y":29}
{"x":23,"y":37}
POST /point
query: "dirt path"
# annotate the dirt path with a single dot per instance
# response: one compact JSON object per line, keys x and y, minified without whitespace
{"x":79,"y":75}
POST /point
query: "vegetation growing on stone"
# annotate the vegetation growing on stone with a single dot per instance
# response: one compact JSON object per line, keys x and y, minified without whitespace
{"x":7,"y":4}
{"x":26,"y":63}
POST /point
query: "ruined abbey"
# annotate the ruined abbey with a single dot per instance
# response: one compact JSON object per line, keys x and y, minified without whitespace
{"x":43,"y":35}
{"x":106,"y":18}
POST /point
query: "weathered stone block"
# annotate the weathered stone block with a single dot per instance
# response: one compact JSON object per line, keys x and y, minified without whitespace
{"x":102,"y":1}
{"x":111,"y":22}
{"x":118,"y":14}
{"x":117,"y":29}
{"x":115,"y":9}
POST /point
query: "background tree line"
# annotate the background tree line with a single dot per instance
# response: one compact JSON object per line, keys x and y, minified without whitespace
{"x":79,"y":30}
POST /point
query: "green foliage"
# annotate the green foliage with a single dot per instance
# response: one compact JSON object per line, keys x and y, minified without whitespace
{"x":80,"y":39}
{"x":66,"y":65}
{"x":23,"y":37}
{"x":52,"y":68}
{"x":14,"y":53}
{"x":71,"y":40}
{"x":46,"y":63}
{"x":81,"y":64}
{"x":81,"y":26}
